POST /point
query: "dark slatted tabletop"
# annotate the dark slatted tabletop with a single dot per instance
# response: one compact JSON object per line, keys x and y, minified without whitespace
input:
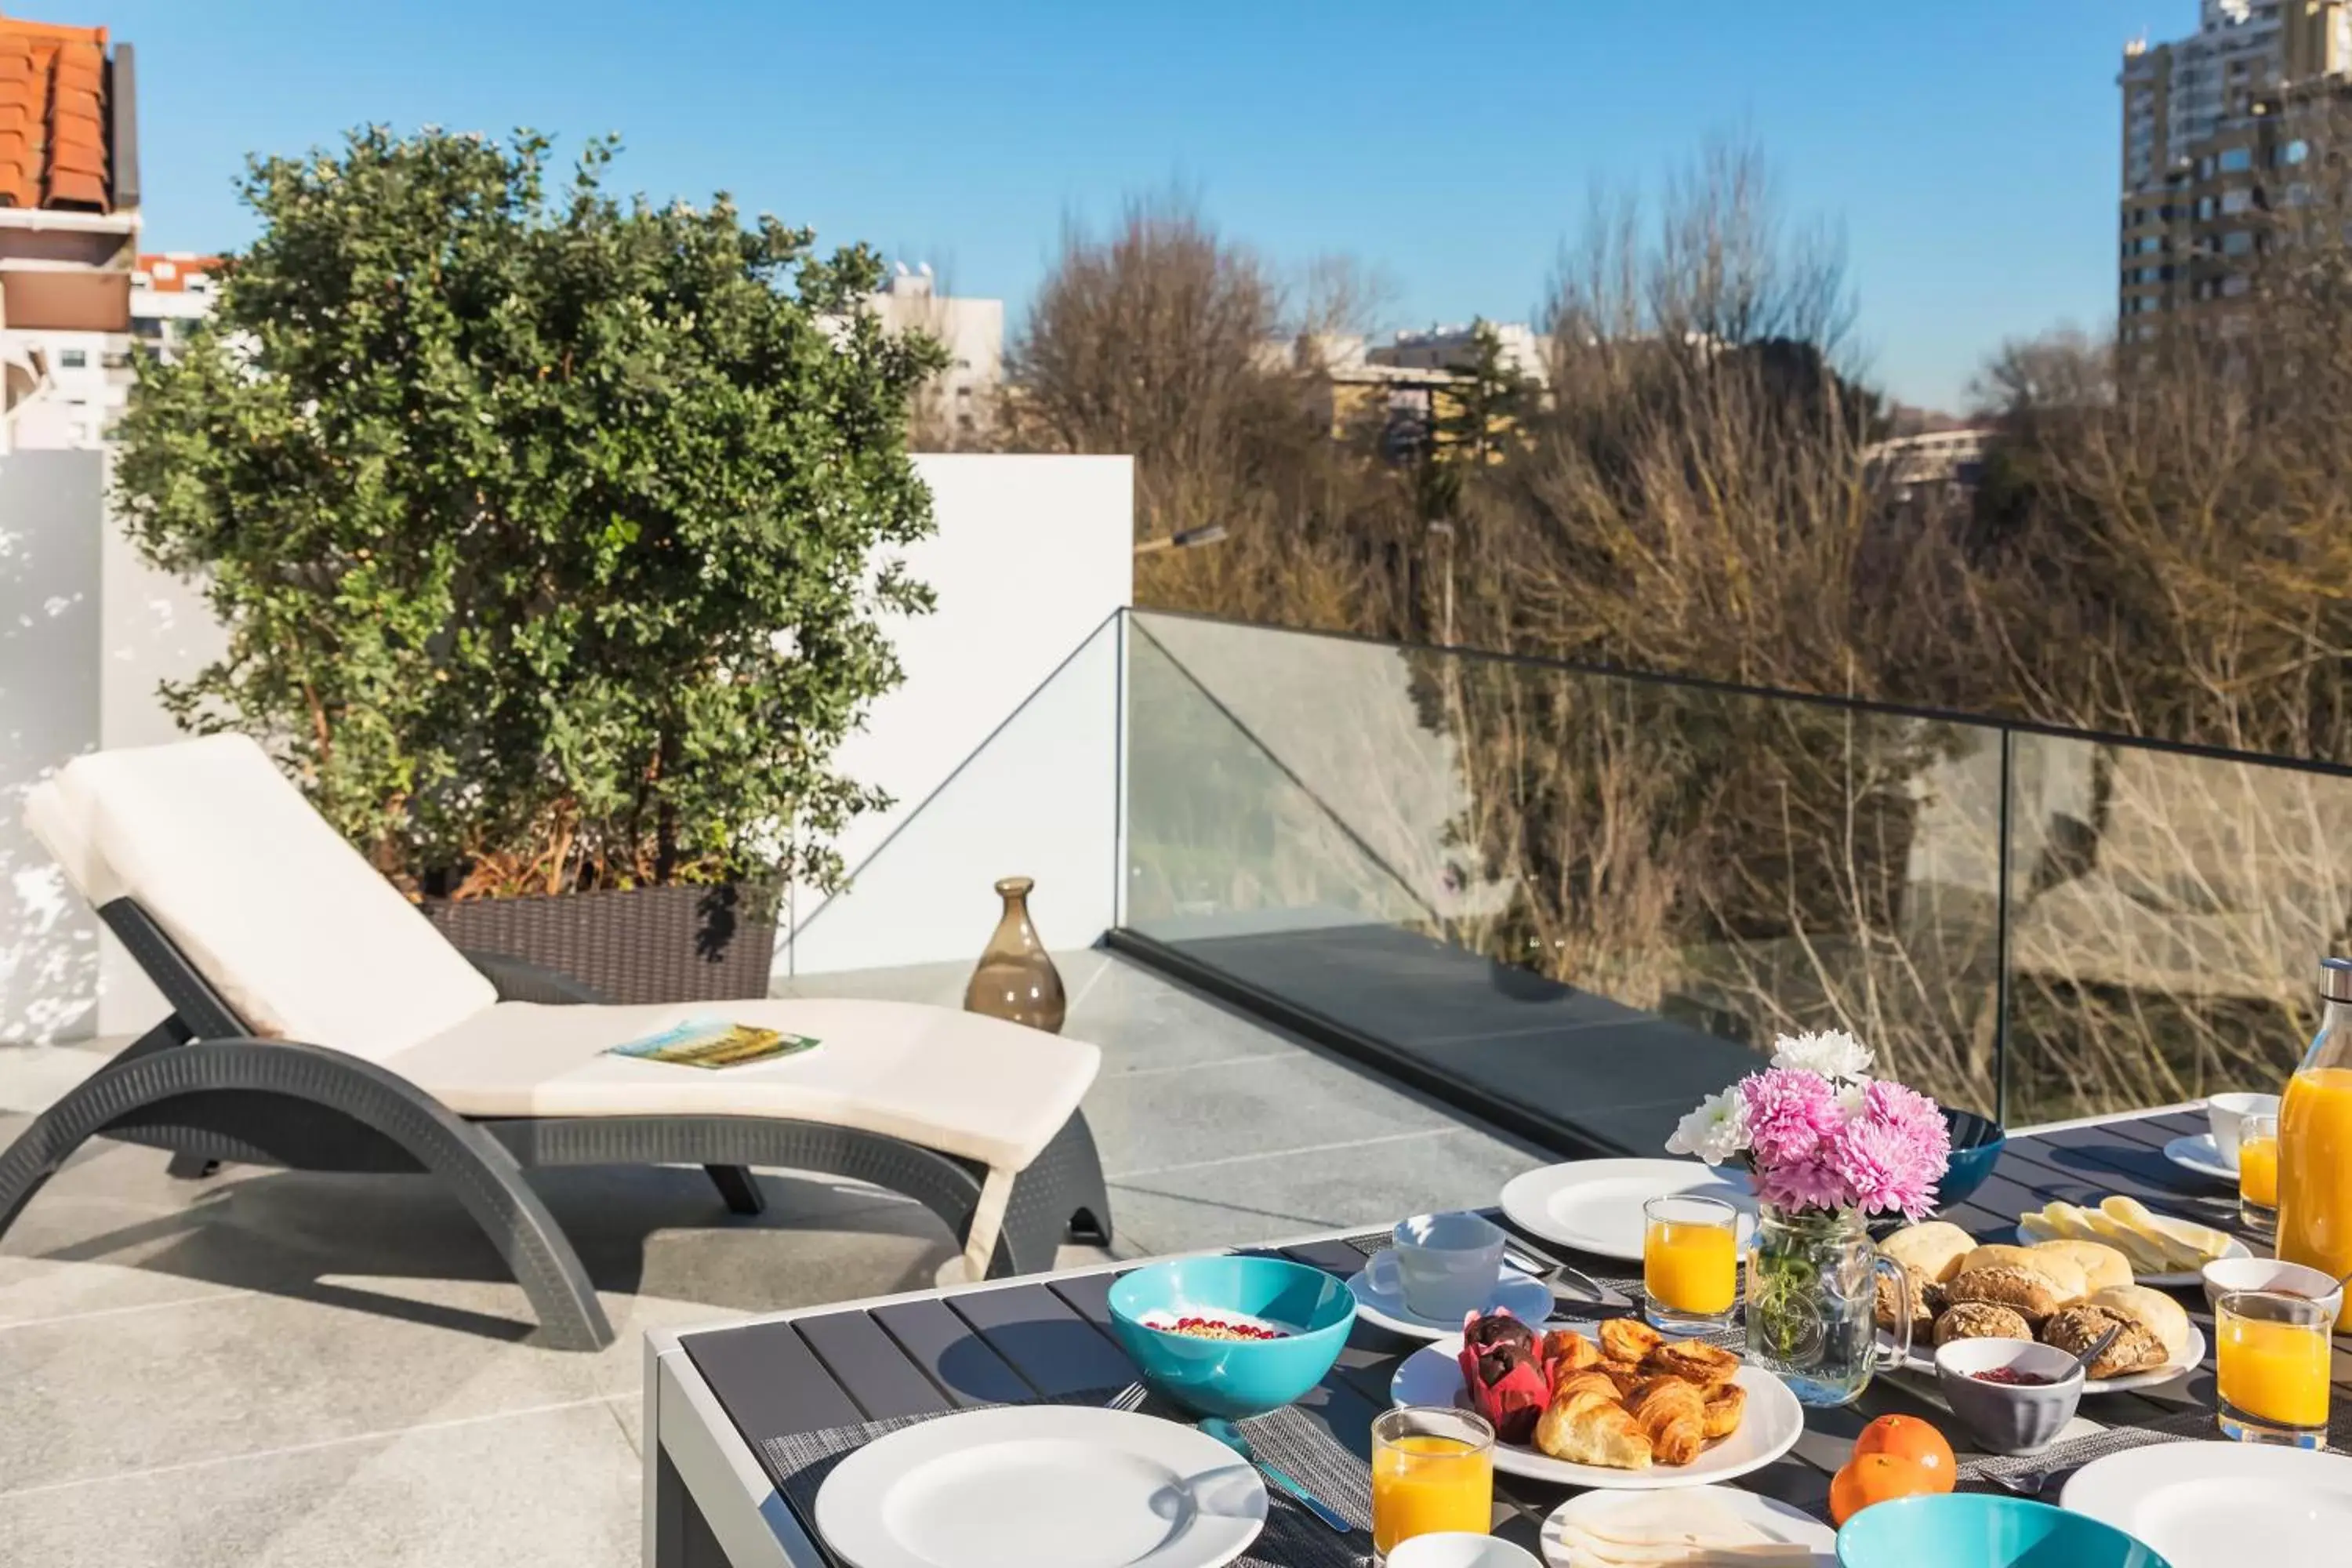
{"x":1051,"y":1340}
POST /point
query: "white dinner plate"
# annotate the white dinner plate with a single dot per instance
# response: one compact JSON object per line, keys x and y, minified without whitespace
{"x":1042,"y":1486}
{"x":2223,"y":1505}
{"x":1770,"y":1427}
{"x":2202,"y":1156}
{"x":1923,"y":1361}
{"x":1595,"y":1205}
{"x":1526,"y":1298}
{"x":1776,"y":1519}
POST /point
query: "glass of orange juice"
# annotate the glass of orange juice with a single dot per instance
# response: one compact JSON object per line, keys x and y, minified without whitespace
{"x":1690,"y":1263}
{"x":2274,"y":1354}
{"x":2258,"y":1167}
{"x":1433,"y":1469}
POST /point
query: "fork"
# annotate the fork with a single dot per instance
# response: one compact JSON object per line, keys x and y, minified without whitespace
{"x":2025,"y":1483}
{"x":1129,"y":1399}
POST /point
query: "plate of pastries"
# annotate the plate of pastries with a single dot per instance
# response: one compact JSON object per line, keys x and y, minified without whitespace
{"x":1614,"y":1404}
{"x":2063,"y":1291}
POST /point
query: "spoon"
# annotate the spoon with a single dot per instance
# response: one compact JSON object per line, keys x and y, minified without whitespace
{"x":1233,"y":1437}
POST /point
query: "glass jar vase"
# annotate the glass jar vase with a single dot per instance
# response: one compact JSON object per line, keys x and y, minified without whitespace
{"x":1812,"y":1289}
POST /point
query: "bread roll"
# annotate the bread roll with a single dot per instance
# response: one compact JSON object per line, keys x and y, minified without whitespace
{"x":2065,"y":1275}
{"x":1981,"y":1320}
{"x":1935,"y":1248}
{"x":2153,"y":1311}
{"x":1884,"y":1308}
{"x":2026,"y":1291}
{"x":2103,"y":1266}
{"x":2077,"y":1329}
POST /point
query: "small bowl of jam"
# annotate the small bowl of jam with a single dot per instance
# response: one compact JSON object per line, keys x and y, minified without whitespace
{"x":2015,"y":1395}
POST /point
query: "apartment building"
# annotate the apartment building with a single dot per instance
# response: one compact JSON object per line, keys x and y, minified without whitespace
{"x":960,"y":402}
{"x":2205,"y":151}
{"x":68,"y":227}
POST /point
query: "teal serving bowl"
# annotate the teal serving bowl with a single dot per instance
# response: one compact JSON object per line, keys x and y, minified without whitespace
{"x":1967,"y":1530}
{"x":1234,"y":1378}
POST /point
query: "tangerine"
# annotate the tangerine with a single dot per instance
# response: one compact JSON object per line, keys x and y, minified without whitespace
{"x":1878,"y":1477}
{"x":1908,"y":1437}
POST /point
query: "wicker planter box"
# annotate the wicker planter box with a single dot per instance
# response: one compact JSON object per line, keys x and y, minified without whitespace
{"x":645,"y":944}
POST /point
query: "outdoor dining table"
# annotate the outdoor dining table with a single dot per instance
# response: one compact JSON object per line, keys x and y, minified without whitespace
{"x":733,"y":1412}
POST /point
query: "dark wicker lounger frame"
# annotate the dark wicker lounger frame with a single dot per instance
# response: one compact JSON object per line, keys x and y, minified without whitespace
{"x":200,"y":1085}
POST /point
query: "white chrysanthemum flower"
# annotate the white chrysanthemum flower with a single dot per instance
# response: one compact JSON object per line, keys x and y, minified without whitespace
{"x":1833,"y":1053}
{"x":1716,"y":1132}
{"x":1851,"y":1098}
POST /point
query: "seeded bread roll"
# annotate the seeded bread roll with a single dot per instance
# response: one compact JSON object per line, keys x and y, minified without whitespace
{"x":2104,"y":1267}
{"x":1980,"y":1321}
{"x":2065,"y":1275}
{"x":2077,"y":1329}
{"x":2026,"y":1291}
{"x":1923,"y":1318}
{"x":1935,"y":1249}
{"x":2156,"y":1313}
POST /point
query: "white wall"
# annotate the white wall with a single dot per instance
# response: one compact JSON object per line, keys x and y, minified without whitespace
{"x":50,"y":674}
{"x":1032,"y":555}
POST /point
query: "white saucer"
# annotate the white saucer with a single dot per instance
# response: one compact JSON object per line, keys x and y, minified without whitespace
{"x":2202,"y":1156}
{"x":1526,"y":1298}
{"x":1595,"y":1205}
{"x":1774,"y":1423}
{"x":1043,"y":1484}
{"x":1773,"y":1517}
{"x":2222,"y":1505}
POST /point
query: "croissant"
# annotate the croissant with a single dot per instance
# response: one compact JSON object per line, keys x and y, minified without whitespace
{"x":1725,"y":1404}
{"x":1694,"y":1360}
{"x":1591,"y":1380}
{"x":1585,"y":1428}
{"x":1627,"y":1375}
{"x":1673,"y":1415}
{"x":1628,"y":1339}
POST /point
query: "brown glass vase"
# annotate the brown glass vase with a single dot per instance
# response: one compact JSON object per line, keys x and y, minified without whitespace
{"x":1015,"y":980}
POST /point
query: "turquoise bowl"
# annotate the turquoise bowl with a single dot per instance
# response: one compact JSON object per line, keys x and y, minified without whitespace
{"x":1235,"y":1378}
{"x":1967,"y":1530}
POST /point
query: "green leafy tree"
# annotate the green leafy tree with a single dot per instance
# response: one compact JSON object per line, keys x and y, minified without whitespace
{"x":544,"y":525}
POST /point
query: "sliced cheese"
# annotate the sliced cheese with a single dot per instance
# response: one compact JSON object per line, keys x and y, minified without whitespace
{"x":2188,"y":1246}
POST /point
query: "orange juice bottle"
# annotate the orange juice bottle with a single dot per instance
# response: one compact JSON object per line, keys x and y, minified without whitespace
{"x":2315,"y":1158}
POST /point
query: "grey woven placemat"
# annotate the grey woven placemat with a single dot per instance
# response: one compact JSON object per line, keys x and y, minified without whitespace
{"x":2060,"y":1461}
{"x":1290,"y":1438}
{"x":1629,"y":1286}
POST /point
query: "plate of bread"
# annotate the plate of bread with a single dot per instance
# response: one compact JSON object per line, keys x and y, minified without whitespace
{"x":1614,"y":1405}
{"x":2062,"y":1292}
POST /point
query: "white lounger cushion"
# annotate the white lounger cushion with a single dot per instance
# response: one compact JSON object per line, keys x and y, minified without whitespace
{"x":957,"y":1082}
{"x":291,"y":925}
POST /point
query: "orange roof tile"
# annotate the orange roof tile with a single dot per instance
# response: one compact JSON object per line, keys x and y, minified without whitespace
{"x":53,"y":132}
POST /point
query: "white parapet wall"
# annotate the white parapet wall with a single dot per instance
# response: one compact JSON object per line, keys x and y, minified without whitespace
{"x":1033,"y":555}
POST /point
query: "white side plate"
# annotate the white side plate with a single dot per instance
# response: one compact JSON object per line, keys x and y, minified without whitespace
{"x":1042,"y":1487}
{"x":2202,"y":1156}
{"x":1528,"y":1300}
{"x":1769,"y":1515}
{"x":1595,"y":1205}
{"x":1772,"y":1426}
{"x":2222,"y":1505}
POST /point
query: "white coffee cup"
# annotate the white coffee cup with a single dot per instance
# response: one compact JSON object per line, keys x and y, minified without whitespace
{"x":1445,"y":1265}
{"x":1454,"y":1549}
{"x":2225,"y":1113}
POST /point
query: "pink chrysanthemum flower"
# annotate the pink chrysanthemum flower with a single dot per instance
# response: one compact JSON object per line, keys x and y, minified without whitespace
{"x":1791,"y":1112}
{"x":1888,"y":1166}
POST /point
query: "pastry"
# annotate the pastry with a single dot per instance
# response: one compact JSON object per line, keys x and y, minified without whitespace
{"x":1566,"y":1350}
{"x":1627,"y":1375}
{"x":2027,"y":1292}
{"x":2103,"y":1266}
{"x":2077,"y":1329}
{"x":1935,"y":1249}
{"x":1673,"y":1414}
{"x":1594,"y":1381}
{"x":1980,"y":1321}
{"x":1587,"y":1429}
{"x":1885,"y":1309}
{"x":1628,"y":1339}
{"x":1725,"y":1404}
{"x":1695,"y":1359}
{"x":2065,"y":1275}
{"x":1502,"y":1373}
{"x":2159,"y":1313}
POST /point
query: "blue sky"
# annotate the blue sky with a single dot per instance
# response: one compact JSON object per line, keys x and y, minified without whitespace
{"x":1968,"y":150}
